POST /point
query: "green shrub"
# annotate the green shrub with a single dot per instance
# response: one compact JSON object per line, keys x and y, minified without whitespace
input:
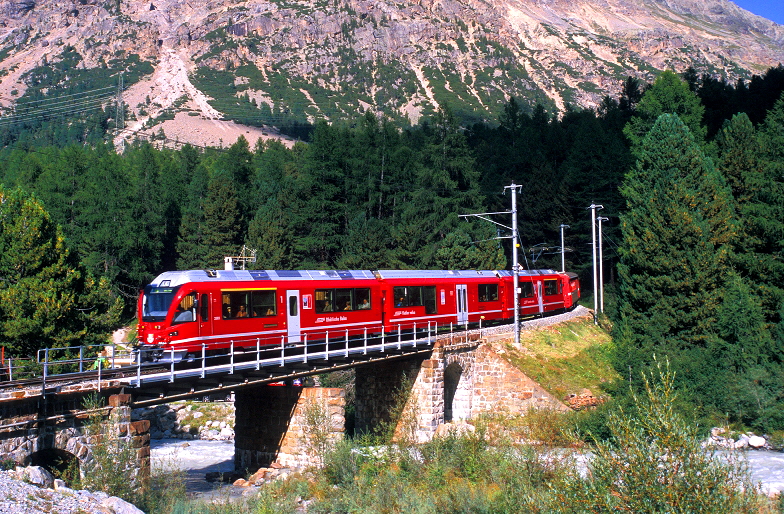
{"x":654,"y":462}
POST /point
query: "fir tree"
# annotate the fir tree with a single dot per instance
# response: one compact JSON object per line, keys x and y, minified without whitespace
{"x":676,"y":234}
{"x":222,"y":236}
{"x":47,"y":299}
{"x":668,"y":95}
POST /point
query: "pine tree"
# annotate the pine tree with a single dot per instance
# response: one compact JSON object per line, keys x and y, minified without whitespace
{"x":222,"y":236}
{"x":769,"y":210}
{"x":760,"y":210}
{"x":446,"y":185}
{"x":274,"y":228}
{"x":668,"y":95}
{"x":47,"y":299}
{"x":676,"y":233}
{"x":192,"y":237}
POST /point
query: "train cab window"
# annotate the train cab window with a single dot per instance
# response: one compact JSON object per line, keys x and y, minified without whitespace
{"x":526,"y":290}
{"x":156,"y":302}
{"x":488,"y":292}
{"x":186,"y":310}
{"x":551,"y":287}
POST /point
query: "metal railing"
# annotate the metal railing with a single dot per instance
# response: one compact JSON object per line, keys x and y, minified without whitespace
{"x":239,"y":354}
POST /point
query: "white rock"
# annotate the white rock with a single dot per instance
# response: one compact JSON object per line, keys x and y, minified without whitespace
{"x":120,"y":506}
{"x":37,"y":475}
{"x":756,"y":441}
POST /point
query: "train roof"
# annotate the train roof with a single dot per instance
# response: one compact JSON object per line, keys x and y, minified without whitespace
{"x":175,"y":278}
{"x":388,"y":274}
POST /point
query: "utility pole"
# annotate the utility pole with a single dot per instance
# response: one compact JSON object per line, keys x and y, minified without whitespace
{"x":594,"y":208}
{"x":601,"y":265}
{"x":563,"y":249}
{"x":119,"y":115}
{"x":514,"y":237}
{"x":515,"y":264}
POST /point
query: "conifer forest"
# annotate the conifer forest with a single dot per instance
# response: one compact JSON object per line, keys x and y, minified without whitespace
{"x":689,"y":170}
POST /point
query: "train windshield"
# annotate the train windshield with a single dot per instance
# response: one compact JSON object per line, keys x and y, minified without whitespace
{"x":156,"y":302}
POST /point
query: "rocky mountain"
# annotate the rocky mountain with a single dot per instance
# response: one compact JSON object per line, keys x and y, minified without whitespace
{"x":286,"y":61}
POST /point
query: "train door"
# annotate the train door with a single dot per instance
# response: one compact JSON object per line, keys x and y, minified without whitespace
{"x":205,"y":322}
{"x":462,"y":303}
{"x":292,"y":316}
{"x":540,"y":296}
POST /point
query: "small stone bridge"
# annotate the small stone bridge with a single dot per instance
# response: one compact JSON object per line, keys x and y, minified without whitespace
{"x":454,"y":378}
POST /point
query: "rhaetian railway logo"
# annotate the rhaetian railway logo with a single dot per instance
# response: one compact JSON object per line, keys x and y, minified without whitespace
{"x":331,"y":319}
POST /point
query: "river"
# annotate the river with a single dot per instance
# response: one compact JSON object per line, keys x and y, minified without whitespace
{"x":197,"y":458}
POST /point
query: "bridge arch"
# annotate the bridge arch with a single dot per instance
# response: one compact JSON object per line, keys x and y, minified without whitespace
{"x":458,"y":385}
{"x":61,"y":463}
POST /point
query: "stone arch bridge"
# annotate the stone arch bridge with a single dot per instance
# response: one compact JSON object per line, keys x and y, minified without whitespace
{"x":456,"y":378}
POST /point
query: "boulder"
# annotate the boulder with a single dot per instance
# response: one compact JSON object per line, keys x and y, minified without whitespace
{"x":39,"y":476}
{"x":756,"y":441}
{"x":120,"y":506}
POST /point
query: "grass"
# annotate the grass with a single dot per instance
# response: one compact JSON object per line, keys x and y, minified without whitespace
{"x":565,"y":358}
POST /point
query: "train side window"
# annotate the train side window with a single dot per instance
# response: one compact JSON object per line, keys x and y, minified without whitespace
{"x":292,"y":306}
{"x":204,"y":307}
{"x":324,"y":301}
{"x":262,"y":304}
{"x":429,"y":299}
{"x":550,"y":287}
{"x":415,"y":296}
{"x":401,"y":297}
{"x":186,"y":310}
{"x":363,"y":298}
{"x":488,"y":292}
{"x":526,"y":290}
{"x":344,"y":299}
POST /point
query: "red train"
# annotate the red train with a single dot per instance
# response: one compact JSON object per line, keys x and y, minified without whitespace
{"x":184,"y":312}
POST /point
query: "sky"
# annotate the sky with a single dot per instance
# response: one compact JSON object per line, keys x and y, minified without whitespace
{"x":770,"y":9}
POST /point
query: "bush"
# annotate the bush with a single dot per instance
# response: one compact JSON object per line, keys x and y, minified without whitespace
{"x":654,"y":462}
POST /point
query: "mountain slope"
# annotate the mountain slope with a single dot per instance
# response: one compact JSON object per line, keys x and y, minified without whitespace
{"x":287,"y":61}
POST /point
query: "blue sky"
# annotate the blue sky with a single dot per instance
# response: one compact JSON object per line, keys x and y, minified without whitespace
{"x":770,"y":9}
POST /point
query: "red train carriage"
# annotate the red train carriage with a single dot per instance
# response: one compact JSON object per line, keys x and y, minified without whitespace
{"x":420,"y":297}
{"x":545,"y":291}
{"x":187,"y":312}
{"x":183,"y":312}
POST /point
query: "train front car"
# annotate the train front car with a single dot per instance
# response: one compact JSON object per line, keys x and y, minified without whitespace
{"x":183,"y":314}
{"x":166,"y":310}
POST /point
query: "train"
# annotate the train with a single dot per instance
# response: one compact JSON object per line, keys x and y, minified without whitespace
{"x":181,"y":314}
